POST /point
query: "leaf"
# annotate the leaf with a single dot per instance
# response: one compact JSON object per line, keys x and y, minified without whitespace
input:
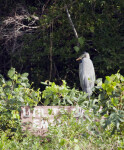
{"x":114,"y":101}
{"x":117,"y":124}
{"x":46,"y":102}
{"x":107,"y":79}
{"x":76,"y":48}
{"x":44,"y":83}
{"x":81,"y":40}
{"x":76,"y":140}
{"x":25,"y":75}
{"x":15,"y":114}
{"x":69,"y":101}
{"x":23,"y":84}
{"x":50,"y":111}
{"x":15,"y":77}
{"x":62,"y":142}
{"x":11,"y":72}
{"x":99,"y":82}
{"x":121,"y":120}
{"x":77,"y":147}
{"x":92,"y":28}
{"x":9,"y":83}
{"x":88,"y":118}
{"x":21,"y":99}
{"x":1,"y":145}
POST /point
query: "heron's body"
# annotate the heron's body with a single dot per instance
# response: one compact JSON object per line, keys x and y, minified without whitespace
{"x":86,"y":73}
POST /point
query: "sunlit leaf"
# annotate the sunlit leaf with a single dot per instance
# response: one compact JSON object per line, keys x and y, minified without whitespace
{"x":76,"y":48}
{"x":11,"y":72}
{"x":77,"y":147}
{"x":46,"y":102}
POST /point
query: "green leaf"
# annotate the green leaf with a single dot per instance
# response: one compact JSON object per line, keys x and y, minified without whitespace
{"x":114,"y":101}
{"x":11,"y":73}
{"x":1,"y":145}
{"x":92,"y":28}
{"x":69,"y":101}
{"x":99,"y":82}
{"x":50,"y":111}
{"x":76,"y":140}
{"x":9,"y":83}
{"x":117,"y":124}
{"x":62,"y":142}
{"x":46,"y":102}
{"x":77,"y":147}
{"x":76,"y":48}
{"x":44,"y":83}
{"x":121,"y":120}
{"x":24,"y":75}
{"x":15,"y":114}
{"x":23,"y":84}
{"x":81,"y":40}
{"x":108,"y":78}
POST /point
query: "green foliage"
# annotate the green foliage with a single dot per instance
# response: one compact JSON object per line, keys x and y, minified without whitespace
{"x":76,"y":48}
{"x":62,"y":95}
{"x":82,"y":133}
{"x":81,"y":42}
{"x":14,"y":93}
{"x":112,"y":101}
{"x":67,"y":133}
{"x":99,"y":126}
{"x":107,"y":108}
{"x":19,"y":141}
{"x":99,"y":25}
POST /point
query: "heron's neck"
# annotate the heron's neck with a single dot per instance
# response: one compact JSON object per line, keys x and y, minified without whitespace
{"x":87,"y":57}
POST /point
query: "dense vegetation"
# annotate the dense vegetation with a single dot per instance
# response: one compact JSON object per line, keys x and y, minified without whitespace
{"x":100,"y":127}
{"x":43,"y":39}
{"x":37,"y":37}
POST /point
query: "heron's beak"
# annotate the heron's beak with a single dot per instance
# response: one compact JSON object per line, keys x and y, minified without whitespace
{"x":79,"y":58}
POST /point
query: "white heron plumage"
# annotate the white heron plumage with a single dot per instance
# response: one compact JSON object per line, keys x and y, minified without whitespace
{"x":86,"y":73}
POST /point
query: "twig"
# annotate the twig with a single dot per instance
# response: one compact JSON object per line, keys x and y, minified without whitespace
{"x":14,"y":27}
{"x":71,"y":22}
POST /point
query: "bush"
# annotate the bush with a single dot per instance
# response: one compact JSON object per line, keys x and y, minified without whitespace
{"x":84,"y":133}
{"x":19,"y":141}
{"x":61,"y":95}
{"x":14,"y":93}
{"x":112,"y":101}
{"x":100,"y":126}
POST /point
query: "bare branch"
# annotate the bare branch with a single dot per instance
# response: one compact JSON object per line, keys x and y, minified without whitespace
{"x":16,"y":25}
{"x":71,"y":22}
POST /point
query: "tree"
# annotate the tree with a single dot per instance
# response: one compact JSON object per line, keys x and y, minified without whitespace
{"x":48,"y":48}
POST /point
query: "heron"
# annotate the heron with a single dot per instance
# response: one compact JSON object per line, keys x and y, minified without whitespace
{"x":86,"y":73}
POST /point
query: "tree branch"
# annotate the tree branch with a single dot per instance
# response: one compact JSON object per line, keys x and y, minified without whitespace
{"x":71,"y":22}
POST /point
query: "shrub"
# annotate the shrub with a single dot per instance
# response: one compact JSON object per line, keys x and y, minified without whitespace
{"x":61,"y":95}
{"x":15,"y":93}
{"x":100,"y":126}
{"x":84,"y":133}
{"x":112,"y":101}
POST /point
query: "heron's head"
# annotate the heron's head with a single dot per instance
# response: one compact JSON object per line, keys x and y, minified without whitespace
{"x":84,"y":55}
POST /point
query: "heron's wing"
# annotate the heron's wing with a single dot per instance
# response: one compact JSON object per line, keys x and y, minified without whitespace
{"x":91,"y":75}
{"x":87,"y":75}
{"x":87,"y":87}
{"x":81,"y":75}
